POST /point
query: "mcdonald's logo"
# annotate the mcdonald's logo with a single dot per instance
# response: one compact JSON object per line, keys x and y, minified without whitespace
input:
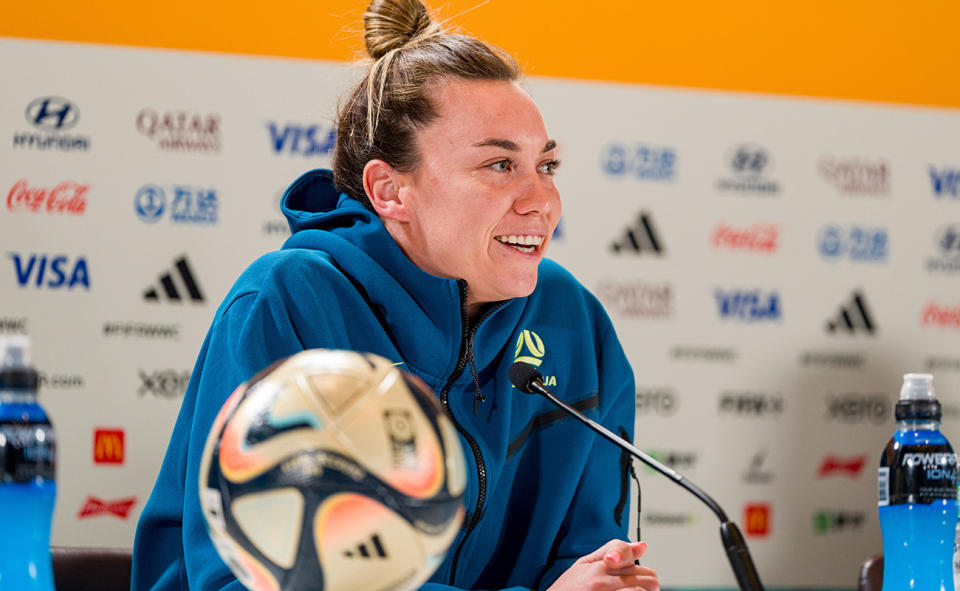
{"x":108,"y":446}
{"x":756,"y":517}
{"x":529,"y":349}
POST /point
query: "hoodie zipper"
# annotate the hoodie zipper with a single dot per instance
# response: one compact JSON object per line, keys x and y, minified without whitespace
{"x":466,"y":352}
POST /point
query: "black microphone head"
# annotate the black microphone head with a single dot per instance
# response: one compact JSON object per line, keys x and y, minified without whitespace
{"x":523,"y":375}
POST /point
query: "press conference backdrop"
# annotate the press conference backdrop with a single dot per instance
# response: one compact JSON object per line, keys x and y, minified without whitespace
{"x":772,"y":266}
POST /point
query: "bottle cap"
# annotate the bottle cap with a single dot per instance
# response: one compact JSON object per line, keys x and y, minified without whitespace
{"x":16,"y":372}
{"x":917,"y":399}
{"x":917,"y":386}
{"x":16,"y":351}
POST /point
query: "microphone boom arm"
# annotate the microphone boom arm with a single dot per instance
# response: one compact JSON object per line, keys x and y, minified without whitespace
{"x":639,"y":454}
{"x":527,"y":379}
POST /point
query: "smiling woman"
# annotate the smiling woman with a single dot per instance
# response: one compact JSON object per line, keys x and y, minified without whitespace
{"x":480,"y":203}
{"x":425,"y":245}
{"x":453,"y":156}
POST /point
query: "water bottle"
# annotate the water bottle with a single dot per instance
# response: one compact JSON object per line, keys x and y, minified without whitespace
{"x":27,"y":485}
{"x":917,"y":486}
{"x":956,"y":550}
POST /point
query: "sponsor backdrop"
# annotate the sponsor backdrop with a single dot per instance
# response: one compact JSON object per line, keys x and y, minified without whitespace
{"x":772,"y":265}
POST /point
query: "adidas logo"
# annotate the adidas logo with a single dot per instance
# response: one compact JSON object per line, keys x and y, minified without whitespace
{"x":168,"y":287}
{"x":362,"y":551}
{"x":853,"y":317}
{"x":640,"y":237}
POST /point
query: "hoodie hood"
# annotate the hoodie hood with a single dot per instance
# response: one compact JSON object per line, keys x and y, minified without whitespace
{"x":427,"y":309}
{"x":312,"y":201}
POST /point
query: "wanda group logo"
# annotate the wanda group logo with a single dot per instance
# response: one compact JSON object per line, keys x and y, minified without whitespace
{"x":67,"y":197}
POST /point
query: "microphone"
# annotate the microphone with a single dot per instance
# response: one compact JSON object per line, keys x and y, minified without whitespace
{"x":527,"y":379}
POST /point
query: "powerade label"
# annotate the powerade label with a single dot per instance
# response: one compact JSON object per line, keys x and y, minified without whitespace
{"x":27,"y":452}
{"x":917,"y":474}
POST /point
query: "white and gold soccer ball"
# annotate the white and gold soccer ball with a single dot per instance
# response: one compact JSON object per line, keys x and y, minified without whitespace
{"x":333,"y":471}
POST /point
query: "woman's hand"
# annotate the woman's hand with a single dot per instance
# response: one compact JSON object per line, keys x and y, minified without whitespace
{"x":610,"y":568}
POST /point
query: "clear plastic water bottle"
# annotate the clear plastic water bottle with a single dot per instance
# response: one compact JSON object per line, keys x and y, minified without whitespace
{"x":917,"y":485}
{"x":27,"y":485}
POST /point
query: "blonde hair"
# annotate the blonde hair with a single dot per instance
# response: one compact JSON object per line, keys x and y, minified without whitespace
{"x":380,"y":116}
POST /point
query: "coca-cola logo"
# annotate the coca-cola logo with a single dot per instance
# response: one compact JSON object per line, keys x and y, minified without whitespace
{"x":760,"y":237}
{"x":934,"y":314}
{"x":66,"y":197}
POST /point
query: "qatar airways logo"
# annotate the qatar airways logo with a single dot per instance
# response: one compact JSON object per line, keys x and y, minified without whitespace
{"x":761,"y":237}
{"x":856,"y":176}
{"x":637,"y":298}
{"x":933,"y":314}
{"x":181,"y":131}
{"x":68,"y":197}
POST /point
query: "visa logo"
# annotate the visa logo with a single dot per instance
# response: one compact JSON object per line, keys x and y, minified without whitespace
{"x":300,"y":139}
{"x":749,"y":306}
{"x":52,"y":271}
{"x":945,"y":182}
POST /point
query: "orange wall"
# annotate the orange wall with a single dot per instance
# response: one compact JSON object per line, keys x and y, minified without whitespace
{"x":876,"y":50}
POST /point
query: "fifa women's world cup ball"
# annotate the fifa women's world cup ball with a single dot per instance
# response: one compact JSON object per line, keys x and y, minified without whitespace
{"x":333,"y":471}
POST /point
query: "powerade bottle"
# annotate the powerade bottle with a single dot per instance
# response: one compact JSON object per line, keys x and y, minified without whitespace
{"x":917,"y":485}
{"x":27,"y":485}
{"x":956,"y":550}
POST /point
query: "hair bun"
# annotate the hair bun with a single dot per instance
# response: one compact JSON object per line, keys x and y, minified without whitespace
{"x":391,"y":24}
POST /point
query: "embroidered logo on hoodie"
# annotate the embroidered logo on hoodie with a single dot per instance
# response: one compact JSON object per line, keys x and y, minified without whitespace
{"x":530,"y":349}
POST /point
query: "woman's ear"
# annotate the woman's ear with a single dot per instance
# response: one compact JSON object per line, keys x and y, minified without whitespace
{"x":382,"y":185}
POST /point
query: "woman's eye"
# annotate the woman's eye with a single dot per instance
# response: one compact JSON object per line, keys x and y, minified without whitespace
{"x":550,"y":167}
{"x":502,"y":166}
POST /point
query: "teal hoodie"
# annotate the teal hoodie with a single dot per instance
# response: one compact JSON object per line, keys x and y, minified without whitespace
{"x":542,"y":490}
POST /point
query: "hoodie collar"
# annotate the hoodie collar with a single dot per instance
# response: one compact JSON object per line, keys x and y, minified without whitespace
{"x":422,"y":312}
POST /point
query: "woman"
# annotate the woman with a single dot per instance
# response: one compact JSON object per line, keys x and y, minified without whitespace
{"x":425,"y":245}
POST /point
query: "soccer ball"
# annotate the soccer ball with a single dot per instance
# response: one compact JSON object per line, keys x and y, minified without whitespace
{"x":333,"y":471}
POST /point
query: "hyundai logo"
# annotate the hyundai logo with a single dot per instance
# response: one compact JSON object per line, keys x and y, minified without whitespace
{"x":52,"y":113}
